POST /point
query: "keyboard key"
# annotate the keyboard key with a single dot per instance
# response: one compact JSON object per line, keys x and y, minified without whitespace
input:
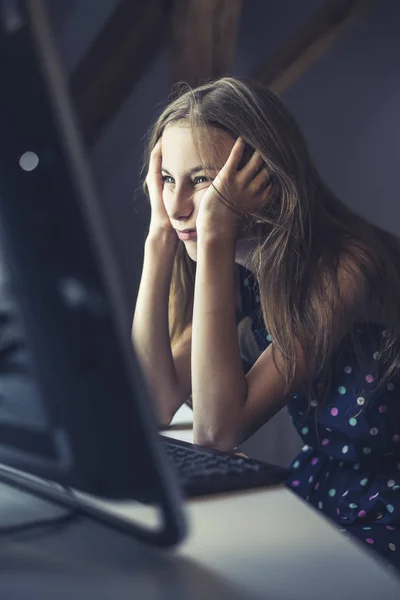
{"x":205,"y":471}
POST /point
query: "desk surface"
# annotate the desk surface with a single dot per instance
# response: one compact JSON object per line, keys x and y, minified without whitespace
{"x":263,"y":544}
{"x":271,"y":543}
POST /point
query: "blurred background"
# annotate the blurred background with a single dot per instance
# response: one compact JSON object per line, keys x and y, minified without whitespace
{"x":335,"y":63}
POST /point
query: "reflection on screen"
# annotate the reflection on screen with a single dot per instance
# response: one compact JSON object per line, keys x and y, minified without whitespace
{"x":23,"y":420}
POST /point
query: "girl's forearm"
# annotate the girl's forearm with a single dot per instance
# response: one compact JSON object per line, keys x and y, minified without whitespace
{"x":150,"y":332}
{"x":218,"y":381}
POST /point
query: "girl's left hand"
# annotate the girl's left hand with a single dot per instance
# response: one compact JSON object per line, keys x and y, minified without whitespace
{"x":246,"y":188}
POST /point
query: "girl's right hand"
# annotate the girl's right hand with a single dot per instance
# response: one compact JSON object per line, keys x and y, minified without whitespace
{"x":159,"y":220}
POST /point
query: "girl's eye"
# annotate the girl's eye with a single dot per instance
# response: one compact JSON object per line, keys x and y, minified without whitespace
{"x":170,"y":180}
{"x":200,"y":179}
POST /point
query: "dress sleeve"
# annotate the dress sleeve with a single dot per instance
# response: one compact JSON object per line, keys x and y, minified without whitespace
{"x":251,"y":309}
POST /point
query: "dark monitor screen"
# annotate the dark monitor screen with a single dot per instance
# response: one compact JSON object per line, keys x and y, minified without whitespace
{"x":73,"y":405}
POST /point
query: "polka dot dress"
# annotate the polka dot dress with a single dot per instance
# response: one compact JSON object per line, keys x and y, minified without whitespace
{"x":349,"y":466}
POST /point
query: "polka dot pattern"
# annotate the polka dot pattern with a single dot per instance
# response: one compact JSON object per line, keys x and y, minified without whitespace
{"x":345,"y":438}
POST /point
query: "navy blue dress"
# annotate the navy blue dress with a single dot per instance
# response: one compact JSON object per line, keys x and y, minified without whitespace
{"x":349,"y":466}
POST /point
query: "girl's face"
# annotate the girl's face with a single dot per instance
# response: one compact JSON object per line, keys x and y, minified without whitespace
{"x":186,"y":181}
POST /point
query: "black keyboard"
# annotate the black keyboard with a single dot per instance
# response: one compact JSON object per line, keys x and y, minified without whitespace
{"x":204,"y":471}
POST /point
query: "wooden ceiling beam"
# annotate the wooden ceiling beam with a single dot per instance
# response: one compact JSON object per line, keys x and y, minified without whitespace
{"x":309,"y":43}
{"x":120,"y":55}
{"x":203,"y":39}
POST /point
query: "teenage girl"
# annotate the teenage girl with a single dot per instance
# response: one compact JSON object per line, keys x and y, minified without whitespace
{"x":230,"y":180}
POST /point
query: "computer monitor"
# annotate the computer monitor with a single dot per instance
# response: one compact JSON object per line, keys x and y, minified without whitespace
{"x":74,"y":408}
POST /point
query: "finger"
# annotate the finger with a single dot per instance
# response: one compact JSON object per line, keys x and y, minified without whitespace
{"x":235,"y":155}
{"x":262,"y":182}
{"x":261,"y":178}
{"x":253,"y":167}
{"x":155,"y":159}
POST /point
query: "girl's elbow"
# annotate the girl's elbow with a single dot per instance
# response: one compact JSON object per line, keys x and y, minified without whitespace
{"x":225,"y":441}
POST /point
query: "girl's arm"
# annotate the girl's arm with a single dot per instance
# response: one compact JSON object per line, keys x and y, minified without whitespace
{"x":219,"y":386}
{"x":228,"y":405}
{"x":167,"y":374}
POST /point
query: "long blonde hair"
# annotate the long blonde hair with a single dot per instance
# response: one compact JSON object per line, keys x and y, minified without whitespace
{"x":303,"y":233}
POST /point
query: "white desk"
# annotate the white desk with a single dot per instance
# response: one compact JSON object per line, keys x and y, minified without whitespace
{"x":181,"y":425}
{"x":273,"y":545}
{"x":264,"y":544}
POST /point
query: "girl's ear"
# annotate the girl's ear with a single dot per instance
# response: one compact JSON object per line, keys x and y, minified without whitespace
{"x":247,"y":154}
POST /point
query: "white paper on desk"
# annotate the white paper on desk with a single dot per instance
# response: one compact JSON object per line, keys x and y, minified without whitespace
{"x":184,"y":435}
{"x":183,"y":416}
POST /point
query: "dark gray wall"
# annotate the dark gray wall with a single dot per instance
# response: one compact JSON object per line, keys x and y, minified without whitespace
{"x":349,"y":107}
